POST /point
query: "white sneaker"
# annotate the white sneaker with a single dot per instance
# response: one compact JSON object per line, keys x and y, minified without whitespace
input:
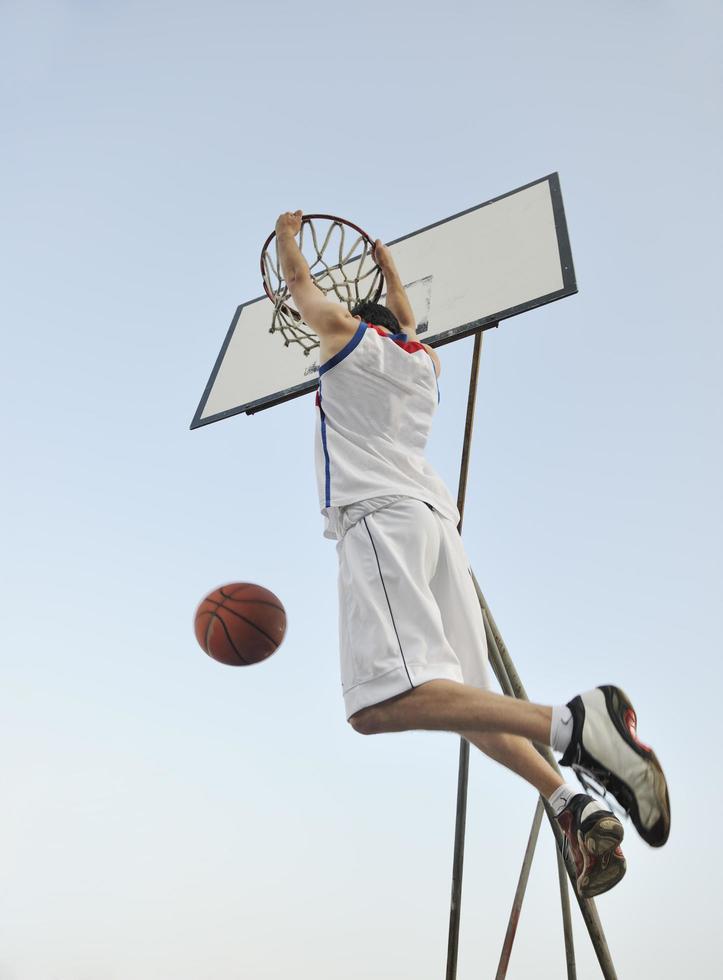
{"x":605,"y":746}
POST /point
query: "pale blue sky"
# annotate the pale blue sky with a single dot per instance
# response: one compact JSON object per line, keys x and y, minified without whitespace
{"x":166,"y":817}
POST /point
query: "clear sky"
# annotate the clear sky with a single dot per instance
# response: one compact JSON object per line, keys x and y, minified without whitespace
{"x":167,"y":818}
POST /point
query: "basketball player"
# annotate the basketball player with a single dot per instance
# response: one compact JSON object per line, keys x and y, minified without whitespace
{"x":413,"y":647}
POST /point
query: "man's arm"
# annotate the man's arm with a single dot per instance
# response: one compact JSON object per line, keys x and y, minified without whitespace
{"x":397,"y":301}
{"x":396,"y":298}
{"x":324,"y":317}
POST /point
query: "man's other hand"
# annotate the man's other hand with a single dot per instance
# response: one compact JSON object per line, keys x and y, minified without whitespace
{"x":381,"y":255}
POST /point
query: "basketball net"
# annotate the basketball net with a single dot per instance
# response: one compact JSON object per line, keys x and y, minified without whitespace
{"x":339,"y":255}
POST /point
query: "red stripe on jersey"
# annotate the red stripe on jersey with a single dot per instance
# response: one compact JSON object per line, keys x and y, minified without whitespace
{"x":410,"y":346}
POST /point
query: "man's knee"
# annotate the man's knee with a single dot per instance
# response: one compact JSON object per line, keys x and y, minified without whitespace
{"x":385,"y":716}
{"x":366,"y":721}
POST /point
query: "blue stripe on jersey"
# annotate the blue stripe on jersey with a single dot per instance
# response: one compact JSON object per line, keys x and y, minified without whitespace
{"x":345,"y":351}
{"x":327,"y":468}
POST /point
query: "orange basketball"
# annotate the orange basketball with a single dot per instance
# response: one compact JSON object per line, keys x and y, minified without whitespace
{"x":240,"y":624}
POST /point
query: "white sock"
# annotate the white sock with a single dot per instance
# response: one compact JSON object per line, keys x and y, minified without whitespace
{"x":562,"y":796}
{"x":561,"y":728}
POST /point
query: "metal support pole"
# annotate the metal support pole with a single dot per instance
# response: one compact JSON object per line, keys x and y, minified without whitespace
{"x":504,"y":681}
{"x":519,"y":894}
{"x":460,"y":825}
{"x":468,"y":426}
{"x":463,"y":771}
{"x":566,"y":917}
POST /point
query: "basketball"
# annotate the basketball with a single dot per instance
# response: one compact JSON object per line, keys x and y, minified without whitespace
{"x":240,"y":624}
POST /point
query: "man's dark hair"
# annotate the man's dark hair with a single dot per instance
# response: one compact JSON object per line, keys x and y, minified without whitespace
{"x":379,"y":315}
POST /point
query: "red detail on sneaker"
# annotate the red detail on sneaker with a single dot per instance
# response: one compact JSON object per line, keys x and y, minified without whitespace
{"x":631,"y":723}
{"x":565,"y":819}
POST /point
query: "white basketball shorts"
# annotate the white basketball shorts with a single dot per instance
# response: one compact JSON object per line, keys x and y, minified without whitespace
{"x":408,"y":609}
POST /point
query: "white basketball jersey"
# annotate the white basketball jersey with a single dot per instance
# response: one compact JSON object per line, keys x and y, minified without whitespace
{"x":376,"y":401}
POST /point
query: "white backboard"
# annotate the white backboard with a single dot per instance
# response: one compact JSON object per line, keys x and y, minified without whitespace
{"x":463,"y":274}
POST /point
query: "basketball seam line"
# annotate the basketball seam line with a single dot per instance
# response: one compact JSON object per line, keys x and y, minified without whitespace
{"x":242,"y":660}
{"x":237,"y":598}
{"x":249,"y":622}
{"x":258,"y":602}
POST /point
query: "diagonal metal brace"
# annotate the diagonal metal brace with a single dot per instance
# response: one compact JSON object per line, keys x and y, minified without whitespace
{"x":512,"y":685}
{"x":519,"y":894}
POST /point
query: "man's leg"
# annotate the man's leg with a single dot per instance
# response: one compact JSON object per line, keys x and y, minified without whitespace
{"x":519,"y":755}
{"x":593,"y":833}
{"x":452,"y":707}
{"x":601,"y":738}
{"x":485,"y":719}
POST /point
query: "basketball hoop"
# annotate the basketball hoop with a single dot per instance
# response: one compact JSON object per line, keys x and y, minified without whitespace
{"x":339,"y":255}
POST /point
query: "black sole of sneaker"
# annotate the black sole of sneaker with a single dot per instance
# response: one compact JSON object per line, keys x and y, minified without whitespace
{"x":601,"y":873}
{"x":604,"y":835}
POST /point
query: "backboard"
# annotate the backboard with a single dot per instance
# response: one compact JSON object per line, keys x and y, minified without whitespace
{"x":462,"y":274}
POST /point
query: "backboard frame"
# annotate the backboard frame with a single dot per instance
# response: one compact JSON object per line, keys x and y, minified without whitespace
{"x":569,"y":287}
